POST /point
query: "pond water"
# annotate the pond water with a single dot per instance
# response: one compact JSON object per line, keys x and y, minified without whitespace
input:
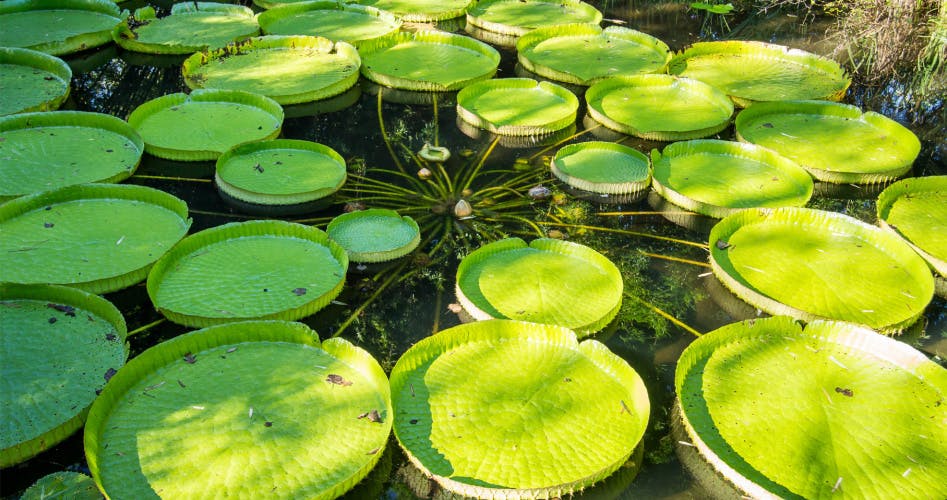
{"x":657,"y":247}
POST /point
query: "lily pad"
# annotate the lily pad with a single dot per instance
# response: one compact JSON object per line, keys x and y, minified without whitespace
{"x":429,"y":61}
{"x":264,"y":269}
{"x":750,"y":71}
{"x":659,"y":107}
{"x":836,"y":143}
{"x":916,"y":209}
{"x":288,"y":69}
{"x":718,"y":178}
{"x":72,"y":485}
{"x":602,"y":167}
{"x":252,"y":409}
{"x":784,"y":411}
{"x":32,"y":81}
{"x":57,"y":27}
{"x":97,"y":237}
{"x":60,"y":345}
{"x":192,"y":26}
{"x":517,"y":17}
{"x":583,"y":54}
{"x":283,"y":173}
{"x":812,"y":264}
{"x":508,"y":409}
{"x":350,"y":23}
{"x":206,"y":123}
{"x":517,"y":106}
{"x":422,"y":11}
{"x":375,"y":235}
{"x":548,"y":281}
{"x":44,"y":151}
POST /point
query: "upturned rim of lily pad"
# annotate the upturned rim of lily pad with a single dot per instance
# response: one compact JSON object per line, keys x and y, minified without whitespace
{"x":375,"y":234}
{"x":52,"y":65}
{"x":923,"y":238}
{"x":521,"y":96}
{"x":127,"y":37}
{"x":77,"y":42}
{"x":605,"y":168}
{"x":478,"y":15}
{"x":270,"y":17}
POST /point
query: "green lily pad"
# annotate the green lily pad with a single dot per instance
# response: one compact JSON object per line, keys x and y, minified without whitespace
{"x":60,"y":345}
{"x":602,"y":167}
{"x":812,"y":264}
{"x":253,"y":409}
{"x":288,"y":69}
{"x":32,"y":81}
{"x":350,"y":23}
{"x":836,"y":143}
{"x":97,"y":237}
{"x":782,"y":411}
{"x":916,"y":209}
{"x":583,"y":54}
{"x":548,"y":281}
{"x":375,"y":235}
{"x":508,"y":409}
{"x":517,"y":17}
{"x":70,"y":485}
{"x":57,"y":27}
{"x":750,"y":71}
{"x":428,"y":61}
{"x":206,"y":123}
{"x":44,"y":151}
{"x":285,"y":173}
{"x":517,"y":106}
{"x":718,"y":178}
{"x":422,"y":11}
{"x":192,"y":26}
{"x":659,"y":107}
{"x":265,"y":269}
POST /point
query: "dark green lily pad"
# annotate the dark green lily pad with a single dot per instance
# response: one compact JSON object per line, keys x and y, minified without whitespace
{"x":342,"y":22}
{"x":57,"y":26}
{"x":192,"y":26}
{"x":31,"y":81}
{"x":70,"y":485}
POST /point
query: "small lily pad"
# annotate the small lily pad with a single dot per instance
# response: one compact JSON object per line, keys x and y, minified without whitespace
{"x":422,"y":11}
{"x":517,"y":17}
{"x":57,"y":27}
{"x":375,"y":235}
{"x":517,"y":106}
{"x":602,"y":167}
{"x":342,"y":22}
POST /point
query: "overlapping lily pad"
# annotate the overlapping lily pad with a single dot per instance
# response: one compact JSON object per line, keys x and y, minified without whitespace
{"x":60,"y":345}
{"x":32,"y":81}
{"x":517,"y":106}
{"x":517,"y":17}
{"x":422,"y":11}
{"x":57,"y":26}
{"x":548,"y":281}
{"x":375,"y":235}
{"x":583,"y":54}
{"x":204,"y":124}
{"x":97,"y":237}
{"x":43,"y":151}
{"x":255,"y":409}
{"x":812,"y":264}
{"x":72,"y":485}
{"x":192,"y":26}
{"x":764,"y":400}
{"x":717,"y":178}
{"x":659,"y":107}
{"x":508,"y":409}
{"x":750,"y":71}
{"x":288,"y":69}
{"x":836,"y":143}
{"x":351,"y":23}
{"x":428,"y":61}
{"x":248,"y":270}
{"x":916,"y":209}
{"x":602,"y":167}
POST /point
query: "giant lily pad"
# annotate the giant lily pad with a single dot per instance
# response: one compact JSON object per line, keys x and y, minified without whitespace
{"x":248,"y":270}
{"x":57,"y":26}
{"x":659,"y":107}
{"x":583,"y":54}
{"x":43,"y":151}
{"x":508,"y":409}
{"x":717,"y":178}
{"x":192,"y":26}
{"x":72,"y":485}
{"x":422,"y":11}
{"x":288,"y":69}
{"x":916,"y":209}
{"x":756,"y":71}
{"x":602,"y":167}
{"x":59,"y":346}
{"x":351,"y":23}
{"x":782,"y":411}
{"x":98,"y":237}
{"x":32,"y":81}
{"x":812,"y":264}
{"x":205,"y":124}
{"x":428,"y":61}
{"x":548,"y":281}
{"x":517,"y":106}
{"x":517,"y":17}
{"x":835,"y":142}
{"x":253,"y":409}
{"x":375,"y":235}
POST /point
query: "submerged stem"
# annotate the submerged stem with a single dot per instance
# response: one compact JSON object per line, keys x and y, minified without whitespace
{"x":665,"y":315}
{"x":630,"y":233}
{"x":358,"y":310}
